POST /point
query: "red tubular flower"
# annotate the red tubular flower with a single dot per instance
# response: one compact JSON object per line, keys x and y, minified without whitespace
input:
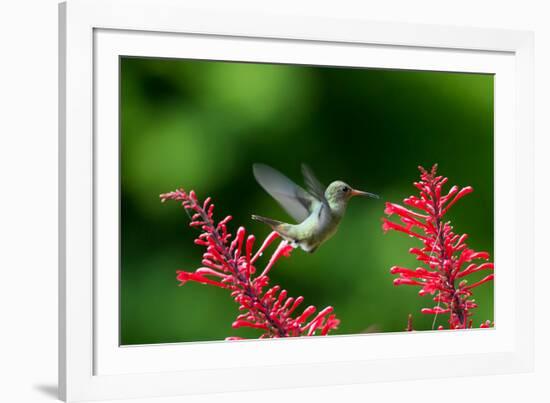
{"x":445,"y":254}
{"x":232,"y":265}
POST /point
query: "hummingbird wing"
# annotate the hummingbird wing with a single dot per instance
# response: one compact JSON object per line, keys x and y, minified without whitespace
{"x":313,"y":184}
{"x":294,"y":199}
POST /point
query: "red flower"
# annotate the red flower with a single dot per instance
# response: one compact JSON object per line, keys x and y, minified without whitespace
{"x":445,"y":254}
{"x":232,"y":265}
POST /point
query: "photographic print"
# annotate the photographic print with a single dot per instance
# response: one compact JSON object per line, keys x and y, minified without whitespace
{"x":269,"y":200}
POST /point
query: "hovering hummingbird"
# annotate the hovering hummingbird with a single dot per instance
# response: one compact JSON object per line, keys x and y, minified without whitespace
{"x":317,"y":211}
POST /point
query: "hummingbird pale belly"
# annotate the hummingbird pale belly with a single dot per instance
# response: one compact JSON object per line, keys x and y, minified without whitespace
{"x":317,"y":211}
{"x":317,"y":228}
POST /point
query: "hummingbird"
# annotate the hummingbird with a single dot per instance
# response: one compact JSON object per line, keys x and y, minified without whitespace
{"x":317,"y":210}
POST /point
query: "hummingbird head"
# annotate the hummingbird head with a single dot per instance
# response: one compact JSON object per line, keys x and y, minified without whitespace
{"x":338,"y":194}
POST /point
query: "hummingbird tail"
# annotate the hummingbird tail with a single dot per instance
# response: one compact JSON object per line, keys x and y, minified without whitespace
{"x":272,"y":223}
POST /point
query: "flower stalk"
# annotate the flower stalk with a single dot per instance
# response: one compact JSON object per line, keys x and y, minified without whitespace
{"x":232,"y":265}
{"x":446,"y":257}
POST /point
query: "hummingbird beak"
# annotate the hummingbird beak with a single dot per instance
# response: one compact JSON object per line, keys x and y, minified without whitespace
{"x":364,"y":194}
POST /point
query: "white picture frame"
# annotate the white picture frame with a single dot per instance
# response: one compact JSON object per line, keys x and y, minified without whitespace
{"x":94,"y":33}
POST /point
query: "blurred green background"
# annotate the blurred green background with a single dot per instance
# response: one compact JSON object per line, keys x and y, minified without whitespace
{"x":202,"y":124}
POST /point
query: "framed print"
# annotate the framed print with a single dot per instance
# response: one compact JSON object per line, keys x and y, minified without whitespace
{"x":274,"y":202}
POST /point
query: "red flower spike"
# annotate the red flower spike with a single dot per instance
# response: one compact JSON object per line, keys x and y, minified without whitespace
{"x":231,"y":265}
{"x":444,"y":252}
